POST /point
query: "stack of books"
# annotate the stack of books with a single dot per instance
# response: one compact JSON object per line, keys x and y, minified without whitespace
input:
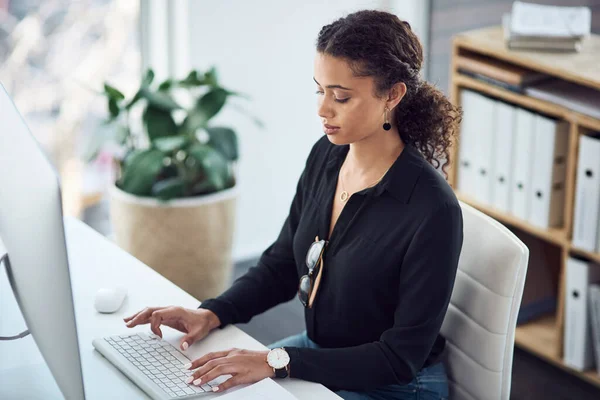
{"x":548,"y":28}
{"x":507,"y":76}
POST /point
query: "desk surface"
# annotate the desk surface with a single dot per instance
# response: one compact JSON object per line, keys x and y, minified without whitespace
{"x":96,"y":262}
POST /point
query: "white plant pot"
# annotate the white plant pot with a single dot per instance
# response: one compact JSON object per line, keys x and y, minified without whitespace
{"x":188,"y":241}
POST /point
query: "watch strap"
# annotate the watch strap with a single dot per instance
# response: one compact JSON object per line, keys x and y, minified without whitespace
{"x":281,"y":372}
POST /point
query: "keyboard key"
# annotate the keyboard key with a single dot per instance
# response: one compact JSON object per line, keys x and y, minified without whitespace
{"x":197,"y":389}
{"x":180,"y":357}
{"x":206,"y":388}
{"x":188,"y":391}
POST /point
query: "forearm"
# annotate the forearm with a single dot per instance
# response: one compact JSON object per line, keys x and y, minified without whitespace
{"x":252,"y":294}
{"x":361,"y":367}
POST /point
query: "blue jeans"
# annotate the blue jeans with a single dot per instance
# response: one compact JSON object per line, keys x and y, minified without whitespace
{"x":430,"y":383}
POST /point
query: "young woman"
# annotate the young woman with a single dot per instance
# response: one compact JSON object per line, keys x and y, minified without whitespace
{"x":373,"y":238}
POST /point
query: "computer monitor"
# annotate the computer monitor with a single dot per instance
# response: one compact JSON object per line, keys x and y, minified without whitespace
{"x":31,"y":227}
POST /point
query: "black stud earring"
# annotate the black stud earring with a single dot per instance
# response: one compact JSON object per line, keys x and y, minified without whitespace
{"x":387,"y":126}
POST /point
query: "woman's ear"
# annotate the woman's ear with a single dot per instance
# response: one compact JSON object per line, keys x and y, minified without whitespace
{"x":395,"y":95}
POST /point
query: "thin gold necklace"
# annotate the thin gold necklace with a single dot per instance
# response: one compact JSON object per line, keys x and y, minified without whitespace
{"x":345,"y":196}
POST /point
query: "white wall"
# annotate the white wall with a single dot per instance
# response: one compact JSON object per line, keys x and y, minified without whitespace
{"x":266,"y":49}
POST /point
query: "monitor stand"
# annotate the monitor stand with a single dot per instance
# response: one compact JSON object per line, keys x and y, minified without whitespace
{"x":4,"y":260}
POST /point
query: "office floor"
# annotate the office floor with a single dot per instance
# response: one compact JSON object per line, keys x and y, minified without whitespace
{"x":533,"y":379}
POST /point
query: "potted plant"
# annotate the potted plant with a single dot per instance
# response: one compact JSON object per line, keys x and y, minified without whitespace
{"x":173,"y":201}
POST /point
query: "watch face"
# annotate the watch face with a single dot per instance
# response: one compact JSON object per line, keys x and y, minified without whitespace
{"x":278,"y":358}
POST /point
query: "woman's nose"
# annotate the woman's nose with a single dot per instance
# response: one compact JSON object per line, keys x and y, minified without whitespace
{"x":324,"y":109}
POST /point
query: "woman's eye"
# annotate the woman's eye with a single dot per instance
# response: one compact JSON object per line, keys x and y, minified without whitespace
{"x":337,"y":100}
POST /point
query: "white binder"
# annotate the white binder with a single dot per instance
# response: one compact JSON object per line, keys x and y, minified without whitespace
{"x":547,"y":189}
{"x":587,"y":195}
{"x":467,"y":150}
{"x":503,"y":155}
{"x":578,"y":350}
{"x":521,"y":167}
{"x":484,"y":152}
{"x":594,"y":305}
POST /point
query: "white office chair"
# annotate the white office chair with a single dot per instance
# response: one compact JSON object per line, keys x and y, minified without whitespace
{"x":481,"y":319}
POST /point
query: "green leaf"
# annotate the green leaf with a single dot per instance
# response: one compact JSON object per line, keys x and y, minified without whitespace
{"x":140,"y":171}
{"x":159,"y":123}
{"x":202,"y":187}
{"x":159,"y":100}
{"x":166,"y":85}
{"x":238,"y":94}
{"x":145,"y":84}
{"x":134,"y":100}
{"x":130,"y":157}
{"x":206,"y":108}
{"x":113,"y":108}
{"x":192,"y":80}
{"x":113,"y":93}
{"x":211,"y":77}
{"x":168,"y":189}
{"x":223,"y":140}
{"x":148,"y":78}
{"x":122,"y":133}
{"x":170,"y":144}
{"x":213,"y":164}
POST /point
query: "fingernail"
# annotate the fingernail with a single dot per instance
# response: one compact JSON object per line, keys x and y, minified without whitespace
{"x":129,"y":323}
{"x":197,"y":381}
{"x":184,"y":346}
{"x":187,"y":366}
{"x":189,"y":380}
{"x":215,"y":389}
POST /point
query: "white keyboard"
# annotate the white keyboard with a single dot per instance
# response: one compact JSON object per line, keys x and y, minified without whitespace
{"x":154,"y":365}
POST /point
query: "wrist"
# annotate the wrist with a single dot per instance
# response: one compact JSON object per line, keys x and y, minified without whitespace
{"x":269,"y":371}
{"x":213,"y":320}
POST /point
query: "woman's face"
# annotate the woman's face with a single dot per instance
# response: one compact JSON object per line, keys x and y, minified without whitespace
{"x":346,"y":102}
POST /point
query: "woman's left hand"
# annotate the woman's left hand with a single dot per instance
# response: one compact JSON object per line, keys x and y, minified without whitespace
{"x":245,"y":366}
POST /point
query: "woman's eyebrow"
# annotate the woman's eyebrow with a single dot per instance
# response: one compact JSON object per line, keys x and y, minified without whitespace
{"x":332,"y":86}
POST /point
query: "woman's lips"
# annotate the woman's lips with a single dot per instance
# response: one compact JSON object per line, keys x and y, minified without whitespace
{"x":330,"y":129}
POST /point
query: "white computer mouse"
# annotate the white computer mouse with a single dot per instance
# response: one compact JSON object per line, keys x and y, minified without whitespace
{"x":109,"y":300}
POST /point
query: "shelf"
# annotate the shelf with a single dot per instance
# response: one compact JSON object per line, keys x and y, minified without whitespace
{"x":522,"y":100}
{"x":540,"y":337}
{"x":552,"y":235}
{"x":581,"y":67}
{"x":595,"y":257}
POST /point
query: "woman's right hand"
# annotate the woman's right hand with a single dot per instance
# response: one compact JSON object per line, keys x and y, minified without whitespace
{"x":196,"y":324}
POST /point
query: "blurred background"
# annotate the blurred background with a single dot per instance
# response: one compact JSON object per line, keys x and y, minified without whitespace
{"x":73,"y":66}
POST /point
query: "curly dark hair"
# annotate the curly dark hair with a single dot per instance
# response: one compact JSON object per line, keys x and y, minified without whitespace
{"x":379,"y":44}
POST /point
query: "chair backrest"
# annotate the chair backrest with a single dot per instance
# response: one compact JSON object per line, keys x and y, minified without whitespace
{"x":479,"y":326}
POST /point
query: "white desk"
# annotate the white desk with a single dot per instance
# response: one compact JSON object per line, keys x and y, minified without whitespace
{"x":96,"y":262}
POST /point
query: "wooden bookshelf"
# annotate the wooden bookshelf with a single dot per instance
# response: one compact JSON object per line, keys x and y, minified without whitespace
{"x":555,"y":236}
{"x":542,"y":337}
